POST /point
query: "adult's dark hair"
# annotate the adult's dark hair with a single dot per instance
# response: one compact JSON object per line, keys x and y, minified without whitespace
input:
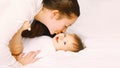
{"x":64,"y":6}
{"x":37,"y":29}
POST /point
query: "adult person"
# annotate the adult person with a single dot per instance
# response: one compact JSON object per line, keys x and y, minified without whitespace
{"x":57,"y":15}
{"x":61,"y":41}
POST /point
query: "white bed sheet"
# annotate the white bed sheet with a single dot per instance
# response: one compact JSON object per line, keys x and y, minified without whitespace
{"x":98,"y":26}
{"x":91,"y":57}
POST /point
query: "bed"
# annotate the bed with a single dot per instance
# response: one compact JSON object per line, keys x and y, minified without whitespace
{"x":98,"y":26}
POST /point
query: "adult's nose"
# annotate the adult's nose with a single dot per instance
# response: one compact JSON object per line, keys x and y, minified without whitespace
{"x":63,"y":30}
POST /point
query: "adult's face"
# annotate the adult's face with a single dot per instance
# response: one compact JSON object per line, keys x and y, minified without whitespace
{"x":55,"y":22}
{"x":60,"y":25}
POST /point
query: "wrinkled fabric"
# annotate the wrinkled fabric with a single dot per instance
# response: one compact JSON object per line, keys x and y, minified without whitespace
{"x":15,"y":13}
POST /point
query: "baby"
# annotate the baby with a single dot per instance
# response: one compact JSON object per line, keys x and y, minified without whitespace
{"x":67,"y":42}
{"x":62,"y":41}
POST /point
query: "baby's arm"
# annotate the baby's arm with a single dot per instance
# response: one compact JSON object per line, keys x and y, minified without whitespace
{"x":15,"y":44}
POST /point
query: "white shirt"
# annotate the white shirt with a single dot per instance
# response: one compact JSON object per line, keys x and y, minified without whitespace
{"x":12,"y":17}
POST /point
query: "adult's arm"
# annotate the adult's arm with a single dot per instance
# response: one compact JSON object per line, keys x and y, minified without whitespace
{"x":15,"y":44}
{"x":11,"y":18}
{"x":16,"y":47}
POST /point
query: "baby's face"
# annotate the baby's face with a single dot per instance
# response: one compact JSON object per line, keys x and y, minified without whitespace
{"x":63,"y":41}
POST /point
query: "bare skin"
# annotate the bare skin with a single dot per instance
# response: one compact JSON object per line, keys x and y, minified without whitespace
{"x":16,"y":47}
{"x":27,"y":59}
{"x":47,"y":17}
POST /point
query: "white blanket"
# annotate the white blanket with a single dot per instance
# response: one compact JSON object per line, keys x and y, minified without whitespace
{"x":13,"y":13}
{"x":43,"y":43}
{"x":101,"y":57}
{"x":98,"y":26}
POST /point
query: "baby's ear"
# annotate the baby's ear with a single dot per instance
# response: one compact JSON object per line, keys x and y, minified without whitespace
{"x":56,"y":14}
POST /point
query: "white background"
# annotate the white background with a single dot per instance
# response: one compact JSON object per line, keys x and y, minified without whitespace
{"x":99,"y":28}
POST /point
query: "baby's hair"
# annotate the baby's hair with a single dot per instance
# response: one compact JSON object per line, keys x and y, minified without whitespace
{"x":77,"y":44}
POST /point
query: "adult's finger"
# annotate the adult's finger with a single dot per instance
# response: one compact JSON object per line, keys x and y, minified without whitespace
{"x":33,"y":54}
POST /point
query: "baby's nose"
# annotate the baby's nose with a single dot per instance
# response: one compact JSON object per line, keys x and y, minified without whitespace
{"x":61,"y":37}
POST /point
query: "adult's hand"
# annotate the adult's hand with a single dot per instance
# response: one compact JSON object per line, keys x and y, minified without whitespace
{"x":28,"y":58}
{"x":26,"y":25}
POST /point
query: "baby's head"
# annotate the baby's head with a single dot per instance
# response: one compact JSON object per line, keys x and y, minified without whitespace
{"x":67,"y":42}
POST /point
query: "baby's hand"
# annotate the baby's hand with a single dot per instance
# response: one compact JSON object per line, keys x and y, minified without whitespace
{"x":29,"y":58}
{"x":26,"y":26}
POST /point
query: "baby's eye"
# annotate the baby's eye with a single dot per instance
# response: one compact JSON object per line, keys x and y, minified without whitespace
{"x":64,"y":43}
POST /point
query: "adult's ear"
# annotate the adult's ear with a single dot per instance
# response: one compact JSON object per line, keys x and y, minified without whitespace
{"x":56,"y":14}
